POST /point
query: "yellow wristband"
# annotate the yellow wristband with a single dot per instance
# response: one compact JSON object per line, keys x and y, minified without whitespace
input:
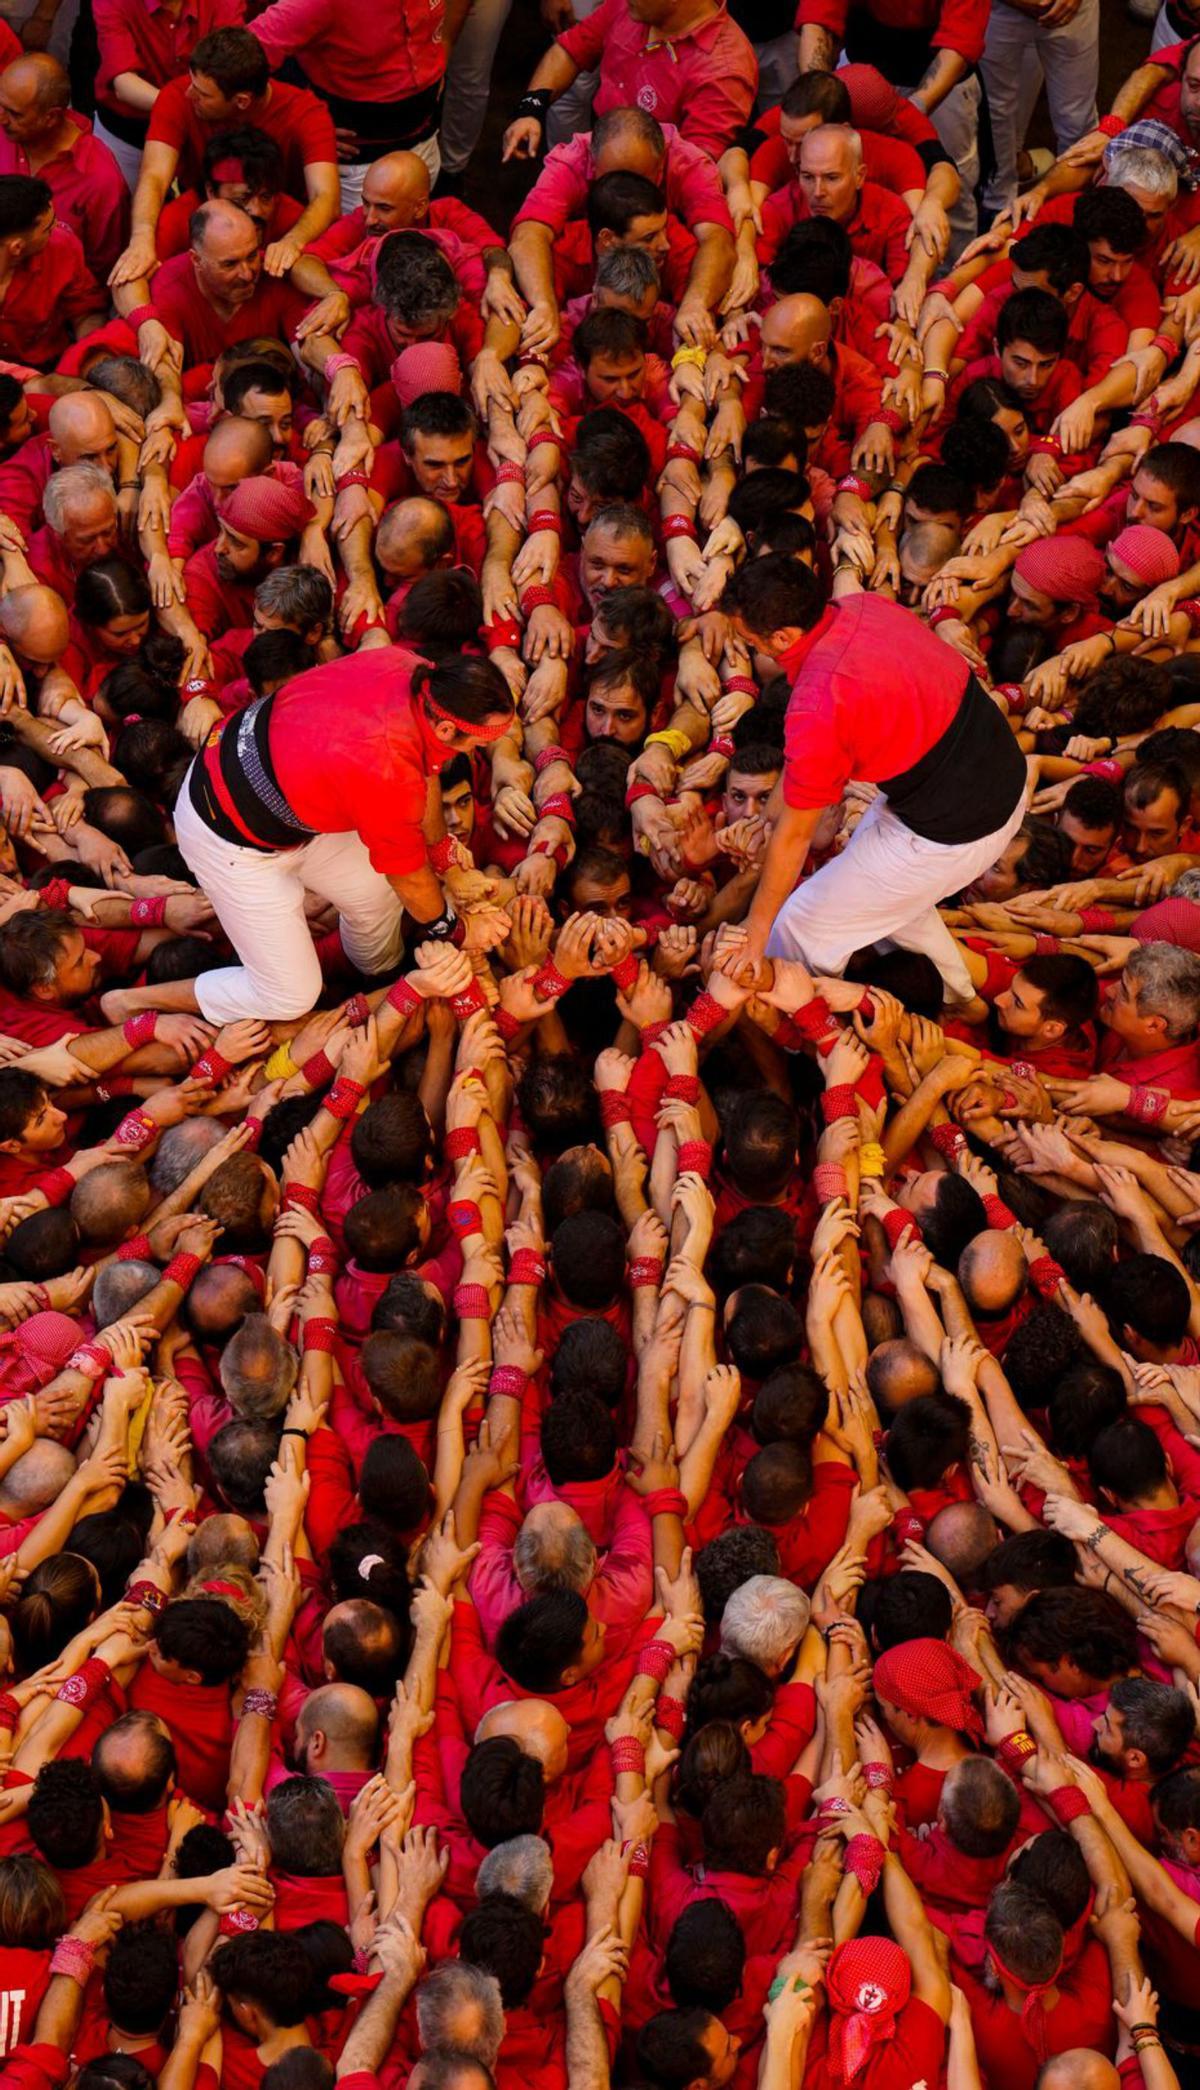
{"x":872,"y":1161}
{"x":676,"y":741}
{"x":696,"y":356}
{"x":281,"y":1066}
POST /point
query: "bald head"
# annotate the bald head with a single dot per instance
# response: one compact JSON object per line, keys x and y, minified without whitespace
{"x":1080,"y":2068}
{"x":413,"y":536}
{"x":237,"y":449}
{"x":796,"y":330}
{"x":109,"y":1201}
{"x":992,"y":1271}
{"x":337,"y":1730}
{"x":222,"y":1540}
{"x":899,"y":1372}
{"x":81,"y":431}
{"x":924,"y":550}
{"x":35,"y":84}
{"x":395,"y":193}
{"x":219,"y":1301}
{"x":35,"y":624}
{"x":37,"y":1479}
{"x":962,"y":1536}
{"x":537,"y":1728}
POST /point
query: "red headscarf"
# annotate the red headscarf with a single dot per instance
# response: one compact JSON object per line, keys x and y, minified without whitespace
{"x":868,"y":1983}
{"x":927,"y":1680}
{"x":1033,"y":2010}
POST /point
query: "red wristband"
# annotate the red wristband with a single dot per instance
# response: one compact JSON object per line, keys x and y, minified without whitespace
{"x":302,"y":1195}
{"x":999,"y":1214}
{"x":462,"y":1141}
{"x":464,"y":1217}
{"x":403,"y":997}
{"x":1045,"y":1275}
{"x":212,"y":1066}
{"x":615,"y":1108}
{"x":1067,"y":1803}
{"x":550,"y":983}
{"x":644,"y":1270}
{"x":898,"y":1226}
{"x":695,"y":1158}
{"x":705,"y":1014}
{"x":678,"y":526}
{"x":657,"y":1659}
{"x":671,"y":1715}
{"x":56,"y":894}
{"x":139,"y":1030}
{"x":319,"y":1334}
{"x":137,"y":1250}
{"x":183,"y":1270}
{"x":509,"y":1380}
{"x":839,"y":1101}
{"x":469,"y":1002}
{"x":683,"y":1088}
{"x":1097,"y":921}
{"x":527,"y":1267}
{"x":441,"y":854}
{"x":472,"y":1302}
{"x":829,"y":1181}
{"x":344,"y":1098}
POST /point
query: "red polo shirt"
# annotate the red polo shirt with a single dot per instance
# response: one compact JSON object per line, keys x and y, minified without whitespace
{"x":705,"y":80}
{"x":950,"y":25}
{"x":1097,"y":336}
{"x":367,"y":338}
{"x":90,"y":192}
{"x":358,"y":53}
{"x":217,"y":605}
{"x":300,"y":125}
{"x":23,"y":480}
{"x":273,"y":312}
{"x":873,"y":690}
{"x":877,"y":230}
{"x":46,"y":297}
{"x":141,"y":36}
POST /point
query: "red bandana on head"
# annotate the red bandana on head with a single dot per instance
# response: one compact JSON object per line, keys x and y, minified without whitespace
{"x":929,"y":1681}
{"x":868,"y":1983}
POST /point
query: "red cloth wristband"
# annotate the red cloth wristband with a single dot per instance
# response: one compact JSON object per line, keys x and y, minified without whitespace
{"x":657,"y":1659}
{"x":839,"y":1101}
{"x":547,"y":755}
{"x":678,"y":526}
{"x":10,"y":1713}
{"x":510,"y":473}
{"x":625,"y":972}
{"x":318,"y":1070}
{"x":1045,"y":1275}
{"x":561,"y":805}
{"x":1097,"y":921}
{"x":472,"y":1302}
{"x":85,"y":1686}
{"x":1111,"y":125}
{"x":462,"y":1141}
{"x":1146,"y":1106}
{"x":58,"y":1186}
{"x":1067,"y":1803}
{"x":550,"y":983}
{"x":628,"y":1754}
{"x":683,"y":1088}
{"x":829,"y":1181}
{"x":137,"y":1250}
{"x":322,"y":1257}
{"x":1015,"y":1750}
{"x":536,"y":598}
{"x":469,"y":1002}
{"x":544,"y":519}
{"x":687,"y":451}
{"x":665,"y":1502}
{"x":502,"y":636}
{"x":319,"y":1334}
{"x":813,"y":1018}
{"x":508,"y":1379}
{"x":55,"y":894}
{"x":998,"y":1213}
{"x":527,"y":1267}
{"x":640,"y":788}
{"x":705,"y":1014}
{"x":92,"y":1359}
{"x":644,"y":1270}
{"x":149,"y":914}
{"x":135,"y":1132}
{"x":403,"y":997}
{"x":302,"y":1195}
{"x":213,"y":1066}
{"x":949,"y":1140}
{"x":139,"y":1030}
{"x":864,"y":1859}
{"x":898,"y":1226}
{"x":615,"y":1108}
{"x":508,"y":1025}
{"x":183,"y":1270}
{"x":695,"y":1158}
{"x":344,"y":1098}
{"x":464,"y":1217}
{"x":671,"y":1715}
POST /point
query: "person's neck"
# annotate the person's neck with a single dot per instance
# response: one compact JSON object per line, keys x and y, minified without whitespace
{"x":941,"y":1749}
{"x":57,"y":141}
{"x":685,"y":15}
{"x":273,"y":2045}
{"x":1162,"y":1497}
{"x":1016,"y":1998}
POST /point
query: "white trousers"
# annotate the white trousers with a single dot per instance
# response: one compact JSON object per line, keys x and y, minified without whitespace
{"x":1017,"y":57}
{"x":259,"y":901}
{"x":128,"y":157}
{"x":885,"y":886}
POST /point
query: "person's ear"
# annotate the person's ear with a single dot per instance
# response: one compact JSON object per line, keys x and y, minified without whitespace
{"x":1136,"y":1765}
{"x":1054,"y":1029}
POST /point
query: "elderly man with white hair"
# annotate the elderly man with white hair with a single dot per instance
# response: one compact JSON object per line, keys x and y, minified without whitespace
{"x":764,"y":1622}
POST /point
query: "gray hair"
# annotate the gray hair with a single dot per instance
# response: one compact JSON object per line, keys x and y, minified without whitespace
{"x":124,"y":378}
{"x":1168,"y":984}
{"x":849,"y":137}
{"x":1142,"y":166}
{"x":73,"y":484}
{"x":764,"y":1620}
{"x":629,"y":122}
{"x":545,"y":1558}
{"x":180,"y":1149}
{"x":118,"y":1288}
{"x":629,"y":272}
{"x":1187,"y":887}
{"x":523,"y":1868}
{"x":299,"y":592}
{"x":459,"y":2006}
{"x":258,"y":1370}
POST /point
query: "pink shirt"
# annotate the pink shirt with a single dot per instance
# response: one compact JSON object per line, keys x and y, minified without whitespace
{"x":45,"y":298}
{"x":90,"y":193}
{"x":690,"y":181}
{"x":620,"y":1594}
{"x":705,"y":81}
{"x":376,"y":54}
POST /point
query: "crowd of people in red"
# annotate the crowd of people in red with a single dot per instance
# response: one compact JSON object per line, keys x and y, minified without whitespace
{"x":599,"y":1054}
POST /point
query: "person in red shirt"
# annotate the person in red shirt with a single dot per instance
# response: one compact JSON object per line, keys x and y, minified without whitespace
{"x":334,"y":770}
{"x":628,"y":140}
{"x":836,"y":727}
{"x":260,"y":526}
{"x":831,"y":182}
{"x":219,"y":292}
{"x":48,"y":295}
{"x":142,"y":48}
{"x":228,"y":85}
{"x":44,"y":136}
{"x":244,"y":167}
{"x":682,"y":64}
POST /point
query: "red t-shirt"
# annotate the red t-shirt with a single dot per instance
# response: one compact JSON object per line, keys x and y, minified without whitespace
{"x":300,"y":125}
{"x":46,"y":297}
